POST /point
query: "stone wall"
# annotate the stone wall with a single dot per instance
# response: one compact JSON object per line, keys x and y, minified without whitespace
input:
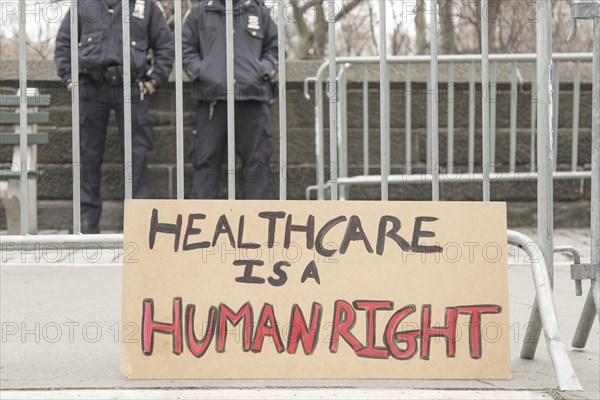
{"x":572,"y":205}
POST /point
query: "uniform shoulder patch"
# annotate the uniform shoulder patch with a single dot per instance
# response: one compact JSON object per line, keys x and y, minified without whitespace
{"x":139,"y":9}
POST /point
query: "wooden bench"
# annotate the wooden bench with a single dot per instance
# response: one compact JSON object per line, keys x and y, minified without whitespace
{"x":10,"y":175}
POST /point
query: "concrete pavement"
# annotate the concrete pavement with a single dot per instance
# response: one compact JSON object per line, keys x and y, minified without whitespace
{"x":60,"y":316}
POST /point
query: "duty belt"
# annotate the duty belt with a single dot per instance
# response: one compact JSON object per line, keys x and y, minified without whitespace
{"x":113,"y":75}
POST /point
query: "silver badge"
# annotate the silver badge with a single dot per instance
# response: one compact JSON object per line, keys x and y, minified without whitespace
{"x":253,"y":22}
{"x":139,"y":9}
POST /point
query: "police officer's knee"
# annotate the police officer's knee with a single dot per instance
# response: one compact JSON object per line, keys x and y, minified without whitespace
{"x":255,"y":172}
{"x":207,"y":172}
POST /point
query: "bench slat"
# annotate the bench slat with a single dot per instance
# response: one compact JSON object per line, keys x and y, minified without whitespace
{"x":32,"y":138}
{"x":32,"y":101}
{"x":7,"y":174}
{"x":13,"y":118}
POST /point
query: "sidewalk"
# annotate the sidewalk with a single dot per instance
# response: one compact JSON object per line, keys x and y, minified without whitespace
{"x":60,"y":318}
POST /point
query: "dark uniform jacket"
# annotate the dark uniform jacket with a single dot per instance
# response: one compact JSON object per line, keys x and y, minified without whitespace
{"x":101,"y":41}
{"x":255,"y":49}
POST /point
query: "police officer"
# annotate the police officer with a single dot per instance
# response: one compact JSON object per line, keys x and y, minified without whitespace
{"x":255,"y":65}
{"x":101,"y":87}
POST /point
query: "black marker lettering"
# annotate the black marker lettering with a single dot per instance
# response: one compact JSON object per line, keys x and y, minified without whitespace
{"x":319,"y":246}
{"x":156,"y":227}
{"x":309,"y":228}
{"x":249,"y":266}
{"x":392,"y":234}
{"x":354,"y":231}
{"x":272,"y":216}
{"x":190,"y":230}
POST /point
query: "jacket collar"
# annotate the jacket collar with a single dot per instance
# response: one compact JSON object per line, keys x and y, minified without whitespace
{"x":219,"y":5}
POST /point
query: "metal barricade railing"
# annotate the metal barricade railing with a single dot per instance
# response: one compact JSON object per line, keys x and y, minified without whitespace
{"x":514,"y":172}
{"x":542,"y":270}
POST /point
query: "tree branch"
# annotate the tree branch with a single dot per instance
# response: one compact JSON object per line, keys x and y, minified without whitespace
{"x":300,"y":22}
{"x":346,"y":9}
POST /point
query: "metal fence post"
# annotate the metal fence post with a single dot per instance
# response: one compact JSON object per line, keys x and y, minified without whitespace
{"x":435,"y":126}
{"x":230,"y":101}
{"x":592,"y":10}
{"x":127,"y":100}
{"x":485,"y":105}
{"x":408,"y":119}
{"x":545,"y":165}
{"x":383,"y":102}
{"x":74,"y":14}
{"x":179,"y":100}
{"x":332,"y":93}
{"x":282,"y":101}
{"x":23,"y":117}
{"x":365,"y":93}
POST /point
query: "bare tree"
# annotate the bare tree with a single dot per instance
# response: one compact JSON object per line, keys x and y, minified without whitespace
{"x":372,"y":23}
{"x":354,"y":36}
{"x":421,"y":45}
{"x":39,"y":36}
{"x":447,"y":17}
{"x":310,"y":20}
{"x":399,"y":39}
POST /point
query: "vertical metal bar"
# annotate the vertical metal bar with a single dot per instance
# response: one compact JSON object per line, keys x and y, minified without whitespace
{"x":365,"y":90}
{"x":471,"y":161}
{"x":333,"y":99}
{"x":493,"y":109}
{"x":127,"y":100}
{"x":450,"y":100}
{"x":74,"y":15}
{"x":320,"y":139}
{"x":342,"y":132}
{"x":586,"y":322}
{"x":23,"y":117}
{"x":576,"y":99}
{"x":408,"y":119}
{"x":485,"y":106}
{"x":595,"y":200}
{"x":282,"y":102}
{"x":514,"y":87}
{"x":179,"y":100}
{"x":230,"y":101}
{"x":388,"y":119}
{"x":544,"y":156}
{"x":533,"y":124}
{"x":435,"y":128}
{"x":428,"y":122}
{"x":555,"y":101}
{"x":593,"y":300}
{"x":383,"y":99}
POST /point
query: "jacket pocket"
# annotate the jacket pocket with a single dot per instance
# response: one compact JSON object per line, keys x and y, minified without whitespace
{"x":207,"y":35}
{"x":90,"y":50}
{"x":256,"y":33}
{"x":254,"y":40}
{"x":138,"y":57}
{"x":143,"y":135}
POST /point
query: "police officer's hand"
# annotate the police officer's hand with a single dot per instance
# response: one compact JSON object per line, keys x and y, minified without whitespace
{"x":149,"y":87}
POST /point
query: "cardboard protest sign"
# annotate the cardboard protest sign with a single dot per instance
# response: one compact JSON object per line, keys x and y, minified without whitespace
{"x":297,"y":289}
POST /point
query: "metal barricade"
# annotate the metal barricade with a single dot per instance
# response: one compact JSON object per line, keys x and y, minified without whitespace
{"x":408,"y":174}
{"x":545,"y":314}
{"x":590,"y":10}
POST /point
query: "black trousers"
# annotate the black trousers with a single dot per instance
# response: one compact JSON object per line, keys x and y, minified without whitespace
{"x":95,"y":102}
{"x":253,"y":144}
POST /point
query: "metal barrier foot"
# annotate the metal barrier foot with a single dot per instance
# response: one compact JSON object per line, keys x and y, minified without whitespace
{"x":586,"y":321}
{"x":567,"y":379}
